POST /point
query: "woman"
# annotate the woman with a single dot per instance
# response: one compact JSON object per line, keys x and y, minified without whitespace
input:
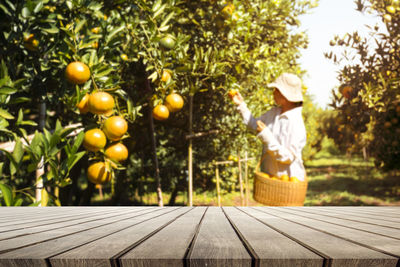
{"x":281,"y":129}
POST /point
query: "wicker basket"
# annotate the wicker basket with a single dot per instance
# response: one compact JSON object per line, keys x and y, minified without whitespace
{"x":274,"y":192}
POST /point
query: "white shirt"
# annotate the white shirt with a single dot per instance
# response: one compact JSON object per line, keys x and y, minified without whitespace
{"x":283,"y":139}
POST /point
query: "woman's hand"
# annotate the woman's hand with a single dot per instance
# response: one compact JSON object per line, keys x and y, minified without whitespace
{"x":236,"y":97}
{"x":260,"y":126}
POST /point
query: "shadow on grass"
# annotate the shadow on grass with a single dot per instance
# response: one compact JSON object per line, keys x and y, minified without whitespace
{"x":349,"y":184}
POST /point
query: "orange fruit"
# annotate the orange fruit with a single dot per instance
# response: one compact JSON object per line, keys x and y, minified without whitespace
{"x":160,"y":112}
{"x":166,"y":75}
{"x":115,"y":127}
{"x":294,"y":179}
{"x":168,"y":41}
{"x":117,"y":152}
{"x":228,"y":10}
{"x":33,"y":45}
{"x":29,"y":38}
{"x":174,"y":102}
{"x":232,"y":92}
{"x":285,"y":178}
{"x":101,"y":103}
{"x":95,"y":30}
{"x":77,"y":72}
{"x":95,"y":45}
{"x":346,"y":91}
{"x":94,"y":140}
{"x":391,"y":9}
{"x":124,"y":57}
{"x":99,"y":173}
{"x":83,"y":105}
{"x":387,"y":18}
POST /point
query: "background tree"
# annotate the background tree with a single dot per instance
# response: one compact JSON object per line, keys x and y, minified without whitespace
{"x":368,"y":102}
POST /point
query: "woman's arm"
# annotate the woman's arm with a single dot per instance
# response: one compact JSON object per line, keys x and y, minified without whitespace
{"x":248,"y":118}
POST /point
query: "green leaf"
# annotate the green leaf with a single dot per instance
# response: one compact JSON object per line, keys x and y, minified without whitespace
{"x":114,"y":32}
{"x":52,"y":30}
{"x":5,"y":114}
{"x":7,"y":90}
{"x":78,"y":141}
{"x":38,"y":7}
{"x":80,"y":25}
{"x":74,"y":159}
{"x":2,"y":7}
{"x":167,"y":19}
{"x":25,"y":12}
{"x":7,"y":194}
{"x":17,"y":154}
{"x":159,"y":11}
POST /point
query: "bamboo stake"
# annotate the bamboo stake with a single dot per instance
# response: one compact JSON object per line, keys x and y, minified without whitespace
{"x":218,"y":189}
{"x":246,"y":178}
{"x":190,"y":159}
{"x":240,"y":181}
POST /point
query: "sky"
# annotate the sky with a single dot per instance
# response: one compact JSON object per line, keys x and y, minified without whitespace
{"x":330,"y":18}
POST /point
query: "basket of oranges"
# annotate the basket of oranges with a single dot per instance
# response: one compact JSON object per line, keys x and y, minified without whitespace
{"x":278,"y":191}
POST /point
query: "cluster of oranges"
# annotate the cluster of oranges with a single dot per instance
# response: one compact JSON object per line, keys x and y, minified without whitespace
{"x":284,"y":178}
{"x":173,"y":102}
{"x":113,"y":127}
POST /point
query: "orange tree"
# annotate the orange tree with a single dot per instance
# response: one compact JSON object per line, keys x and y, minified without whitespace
{"x":367,"y":102}
{"x":136,"y":55}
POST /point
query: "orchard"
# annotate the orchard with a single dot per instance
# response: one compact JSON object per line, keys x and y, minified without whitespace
{"x":95,"y":92}
{"x":367,"y":104}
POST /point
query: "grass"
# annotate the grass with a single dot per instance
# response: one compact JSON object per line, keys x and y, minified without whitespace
{"x":334,"y":180}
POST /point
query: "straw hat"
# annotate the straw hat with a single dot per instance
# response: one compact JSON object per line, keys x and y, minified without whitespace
{"x":290,"y":87}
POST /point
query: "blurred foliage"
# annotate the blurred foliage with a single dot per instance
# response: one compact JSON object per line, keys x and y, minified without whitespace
{"x":368,"y":101}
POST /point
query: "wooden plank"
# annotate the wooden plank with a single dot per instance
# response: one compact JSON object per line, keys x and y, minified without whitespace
{"x":38,"y":254}
{"x":45,"y":217}
{"x":164,"y":248}
{"x":354,"y":216}
{"x":374,"y":241}
{"x":106,"y":251}
{"x":374,"y":212}
{"x":271,"y":247}
{"x":217,"y":243}
{"x":337,"y":251}
{"x":17,"y":242}
{"x":349,"y":223}
{"x":20,"y":230}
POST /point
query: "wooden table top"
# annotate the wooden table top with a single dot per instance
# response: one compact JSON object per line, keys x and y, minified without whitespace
{"x":199,"y":236}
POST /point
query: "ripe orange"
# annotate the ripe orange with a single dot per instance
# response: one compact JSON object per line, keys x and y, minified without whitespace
{"x":83,"y":105}
{"x":117,"y":152}
{"x":99,"y":173}
{"x":174,"y":102}
{"x":115,"y":127}
{"x":94,"y":140}
{"x":387,"y":18}
{"x":294,"y":179}
{"x":232,"y":92}
{"x":124,"y":57}
{"x":95,"y":45}
{"x":160,"y":112}
{"x":77,"y":72}
{"x":346,"y":91}
{"x":228,"y":10}
{"x":166,"y":75}
{"x":391,"y":9}
{"x":285,"y":178}
{"x":101,"y":103}
{"x":95,"y":30}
